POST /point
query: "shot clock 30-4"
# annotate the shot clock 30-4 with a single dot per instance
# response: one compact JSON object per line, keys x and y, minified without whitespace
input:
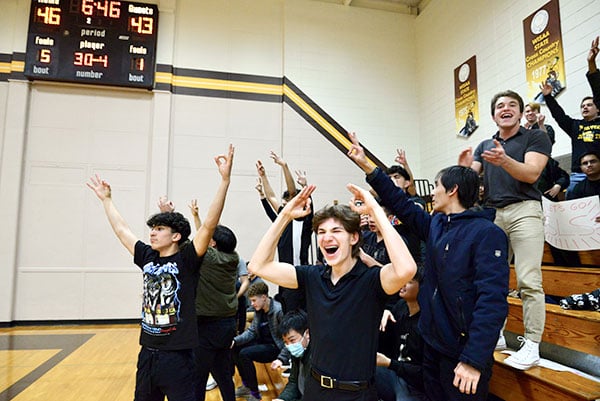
{"x":104,"y":42}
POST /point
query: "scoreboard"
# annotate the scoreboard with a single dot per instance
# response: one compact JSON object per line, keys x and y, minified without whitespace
{"x":104,"y":42}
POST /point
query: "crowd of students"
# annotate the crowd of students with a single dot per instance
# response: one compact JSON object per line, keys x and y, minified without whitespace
{"x":411,"y":310}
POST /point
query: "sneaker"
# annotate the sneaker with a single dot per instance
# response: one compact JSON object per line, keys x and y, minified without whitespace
{"x":527,"y":356}
{"x":242,"y":391}
{"x":286,"y":372}
{"x":253,"y":398}
{"x":501,"y":344}
{"x":211,"y":383}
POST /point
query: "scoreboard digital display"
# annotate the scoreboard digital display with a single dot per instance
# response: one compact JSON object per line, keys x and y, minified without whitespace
{"x":104,"y":42}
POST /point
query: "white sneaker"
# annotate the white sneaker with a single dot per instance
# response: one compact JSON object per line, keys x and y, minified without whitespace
{"x":211,"y":383}
{"x":501,"y":344}
{"x":526,"y":357}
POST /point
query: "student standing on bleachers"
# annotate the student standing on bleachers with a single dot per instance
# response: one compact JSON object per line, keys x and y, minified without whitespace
{"x":463,"y":296}
{"x":344,"y":297}
{"x":170,"y":265}
{"x":585,"y":133}
{"x":512,"y":161}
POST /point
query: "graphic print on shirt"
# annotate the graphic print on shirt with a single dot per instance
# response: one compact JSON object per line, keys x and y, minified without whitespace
{"x":161,"y":304}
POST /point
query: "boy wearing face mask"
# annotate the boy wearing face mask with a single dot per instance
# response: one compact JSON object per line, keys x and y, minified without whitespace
{"x":294,"y":330}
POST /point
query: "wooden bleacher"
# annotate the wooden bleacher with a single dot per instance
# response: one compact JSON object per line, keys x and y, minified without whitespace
{"x":272,"y":379}
{"x":570,"y":329}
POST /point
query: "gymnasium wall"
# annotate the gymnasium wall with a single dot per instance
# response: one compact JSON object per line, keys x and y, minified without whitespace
{"x":386,"y":76}
{"x":451,"y":31}
{"x":59,"y":255}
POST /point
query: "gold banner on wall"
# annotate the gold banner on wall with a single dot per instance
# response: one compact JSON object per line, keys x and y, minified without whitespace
{"x":544,"y":59}
{"x":466,"y":105}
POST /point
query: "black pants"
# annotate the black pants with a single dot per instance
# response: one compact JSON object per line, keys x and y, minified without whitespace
{"x":438,"y":375}
{"x":214,"y":355}
{"x":245,"y":356}
{"x":165,"y":373}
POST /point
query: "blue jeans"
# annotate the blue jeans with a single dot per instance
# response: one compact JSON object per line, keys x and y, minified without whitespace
{"x":391,"y":387}
{"x":165,"y":373}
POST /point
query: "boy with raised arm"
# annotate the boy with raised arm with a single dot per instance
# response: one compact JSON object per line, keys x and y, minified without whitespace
{"x":170,"y":266}
{"x":345,"y":299}
{"x":463,"y":296}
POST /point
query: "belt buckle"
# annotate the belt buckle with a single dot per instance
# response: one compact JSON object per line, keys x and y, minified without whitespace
{"x":326,"y":382}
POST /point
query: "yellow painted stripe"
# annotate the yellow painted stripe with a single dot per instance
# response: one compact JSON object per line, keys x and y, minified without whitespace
{"x":220,"y":84}
{"x":4,"y":68}
{"x":337,"y":135}
{"x":17,"y":66}
{"x":163,"y":77}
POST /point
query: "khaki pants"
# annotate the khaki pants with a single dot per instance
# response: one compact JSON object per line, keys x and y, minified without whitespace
{"x":523,"y":224}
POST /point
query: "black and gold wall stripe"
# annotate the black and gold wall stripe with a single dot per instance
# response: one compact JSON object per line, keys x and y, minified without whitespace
{"x":226,"y":85}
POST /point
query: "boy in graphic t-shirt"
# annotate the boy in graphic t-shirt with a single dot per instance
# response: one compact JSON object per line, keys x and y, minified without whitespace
{"x":170,"y":265}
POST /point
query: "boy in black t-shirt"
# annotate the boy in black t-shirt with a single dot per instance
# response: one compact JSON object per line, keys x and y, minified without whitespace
{"x":171,"y":266}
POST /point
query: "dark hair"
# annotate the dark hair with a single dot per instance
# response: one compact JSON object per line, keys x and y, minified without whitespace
{"x":418,"y":277}
{"x":510,"y":94}
{"x":286,"y":194}
{"x":175,"y":221}
{"x":258,"y":288}
{"x":467,"y":181}
{"x":586,"y":98}
{"x":294,"y":320}
{"x":349,"y":219}
{"x":396,"y":169}
{"x":225,"y":239}
{"x":590,"y":152}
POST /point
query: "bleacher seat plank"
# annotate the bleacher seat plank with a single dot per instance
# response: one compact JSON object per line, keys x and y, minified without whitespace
{"x":586,"y":258}
{"x":271,"y":378}
{"x":564,"y":281}
{"x":540,"y":384}
{"x":578,"y":330}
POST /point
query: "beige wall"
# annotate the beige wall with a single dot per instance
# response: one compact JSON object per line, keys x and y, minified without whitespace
{"x":59,"y":254}
{"x":386,"y":76}
{"x":451,"y":31}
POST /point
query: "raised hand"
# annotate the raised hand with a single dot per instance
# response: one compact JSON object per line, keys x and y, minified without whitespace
{"x":165,"y":205}
{"x":301,"y":178}
{"x":100,"y":187}
{"x":540,"y":119}
{"x":278,"y":160}
{"x":299,"y":206}
{"x":362,"y":200}
{"x":357,"y":154}
{"x":401,"y":157}
{"x":546,"y":88}
{"x":260,"y":169}
{"x":259,"y":187}
{"x":194,"y":207}
{"x":465,"y":158}
{"x":225,"y":163}
{"x":594,"y":49}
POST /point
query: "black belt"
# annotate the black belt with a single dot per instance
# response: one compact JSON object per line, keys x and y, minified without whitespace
{"x":349,"y":385}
